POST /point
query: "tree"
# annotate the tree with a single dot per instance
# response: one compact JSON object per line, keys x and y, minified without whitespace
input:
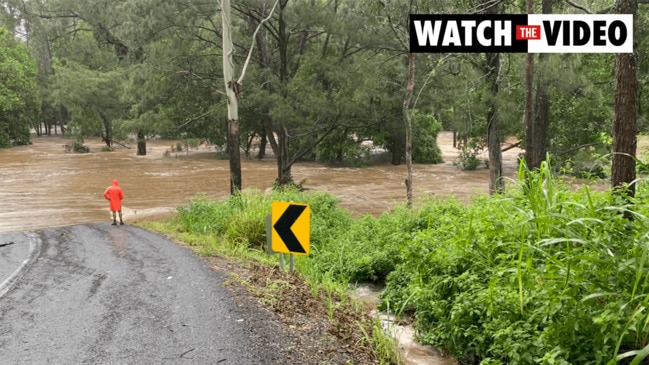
{"x":492,"y":75}
{"x":408,"y":126}
{"x":541,"y":124}
{"x":625,"y":131}
{"x":303,"y":69}
{"x":530,"y":146}
{"x":19,"y":97}
{"x":233,"y":90}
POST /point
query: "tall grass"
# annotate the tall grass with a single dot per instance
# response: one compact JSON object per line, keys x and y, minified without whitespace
{"x":541,"y":275}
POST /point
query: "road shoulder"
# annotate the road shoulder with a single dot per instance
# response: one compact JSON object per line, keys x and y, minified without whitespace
{"x":18,"y":251}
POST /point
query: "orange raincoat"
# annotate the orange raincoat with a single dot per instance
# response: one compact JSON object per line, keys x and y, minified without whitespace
{"x":114,"y":195}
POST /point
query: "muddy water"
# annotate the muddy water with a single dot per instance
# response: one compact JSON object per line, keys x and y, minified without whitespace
{"x":43,"y":186}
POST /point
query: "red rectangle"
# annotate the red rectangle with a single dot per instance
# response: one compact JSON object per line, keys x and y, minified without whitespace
{"x":526,"y":32}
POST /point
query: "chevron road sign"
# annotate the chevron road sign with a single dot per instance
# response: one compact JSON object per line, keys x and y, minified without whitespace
{"x":291,"y":228}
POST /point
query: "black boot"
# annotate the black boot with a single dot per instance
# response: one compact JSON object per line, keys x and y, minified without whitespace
{"x":114,"y":223}
{"x":121,"y":223}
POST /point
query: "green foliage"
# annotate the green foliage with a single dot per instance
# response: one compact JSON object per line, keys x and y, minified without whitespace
{"x":19,"y":97}
{"x":78,"y":146}
{"x":469,"y":151}
{"x":241,"y":218}
{"x":542,"y":275}
{"x":341,"y":148}
{"x":589,"y":163}
{"x":424,"y":138}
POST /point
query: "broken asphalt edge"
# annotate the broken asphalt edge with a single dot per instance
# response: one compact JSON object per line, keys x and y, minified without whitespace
{"x":34,"y":252}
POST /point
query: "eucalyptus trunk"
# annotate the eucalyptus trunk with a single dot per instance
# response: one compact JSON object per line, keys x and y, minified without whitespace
{"x":232,"y":88}
{"x":496,"y":183}
{"x":408,"y":121}
{"x":625,"y":127}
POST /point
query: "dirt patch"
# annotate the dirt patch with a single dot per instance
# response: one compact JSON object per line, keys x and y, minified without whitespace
{"x":324,"y":329}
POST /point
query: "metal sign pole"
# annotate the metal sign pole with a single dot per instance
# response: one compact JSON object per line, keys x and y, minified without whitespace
{"x":281,"y":261}
{"x":291,"y":263}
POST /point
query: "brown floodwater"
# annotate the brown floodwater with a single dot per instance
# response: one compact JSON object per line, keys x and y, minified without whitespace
{"x":43,"y":186}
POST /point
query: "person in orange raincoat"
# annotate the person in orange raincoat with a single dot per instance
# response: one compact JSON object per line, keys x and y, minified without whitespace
{"x":114,"y":195}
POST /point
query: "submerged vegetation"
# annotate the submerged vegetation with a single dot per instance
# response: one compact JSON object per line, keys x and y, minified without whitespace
{"x":543,"y":274}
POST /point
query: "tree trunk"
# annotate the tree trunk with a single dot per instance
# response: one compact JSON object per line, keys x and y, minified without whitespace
{"x":249,"y":140}
{"x":283,"y":166}
{"x":541,"y":118}
{"x":626,"y":110}
{"x":408,"y":124}
{"x":141,"y":144}
{"x":283,"y":158}
{"x":262,"y":146}
{"x":496,"y":183}
{"x":529,"y":112}
{"x":541,"y":108}
{"x":107,"y":134}
{"x":232,"y":88}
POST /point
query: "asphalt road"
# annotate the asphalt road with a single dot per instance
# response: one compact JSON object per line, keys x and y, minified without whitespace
{"x":102,"y":294}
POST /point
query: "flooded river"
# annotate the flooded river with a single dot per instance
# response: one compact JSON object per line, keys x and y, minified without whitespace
{"x":43,"y":186}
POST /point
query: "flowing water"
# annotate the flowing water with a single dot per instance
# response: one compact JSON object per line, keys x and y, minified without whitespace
{"x":42,"y":186}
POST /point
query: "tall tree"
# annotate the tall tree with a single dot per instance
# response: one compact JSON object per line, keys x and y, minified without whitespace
{"x":492,"y":75}
{"x":233,"y":90}
{"x":304,"y":65}
{"x":541,"y":122}
{"x":625,"y":130}
{"x":407,"y":116}
{"x":530,"y":147}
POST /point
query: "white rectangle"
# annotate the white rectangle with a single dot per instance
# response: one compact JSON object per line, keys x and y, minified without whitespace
{"x":606,"y":33}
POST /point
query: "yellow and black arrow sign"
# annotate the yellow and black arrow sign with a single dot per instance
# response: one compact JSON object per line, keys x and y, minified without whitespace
{"x":291,"y":228}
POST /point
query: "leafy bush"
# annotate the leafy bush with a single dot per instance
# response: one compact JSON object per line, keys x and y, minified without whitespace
{"x":542,"y":275}
{"x":424,"y":139}
{"x":342,"y":148}
{"x":469,"y":150}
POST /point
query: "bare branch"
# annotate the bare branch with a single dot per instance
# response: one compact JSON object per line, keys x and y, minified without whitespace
{"x":440,"y":62}
{"x":252,"y":44}
{"x":194,"y":119}
{"x":580,"y":7}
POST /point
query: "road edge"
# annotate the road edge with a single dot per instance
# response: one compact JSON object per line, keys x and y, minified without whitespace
{"x":34,"y":251}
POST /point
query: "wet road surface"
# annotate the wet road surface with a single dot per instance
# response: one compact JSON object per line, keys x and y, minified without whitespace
{"x":102,"y":294}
